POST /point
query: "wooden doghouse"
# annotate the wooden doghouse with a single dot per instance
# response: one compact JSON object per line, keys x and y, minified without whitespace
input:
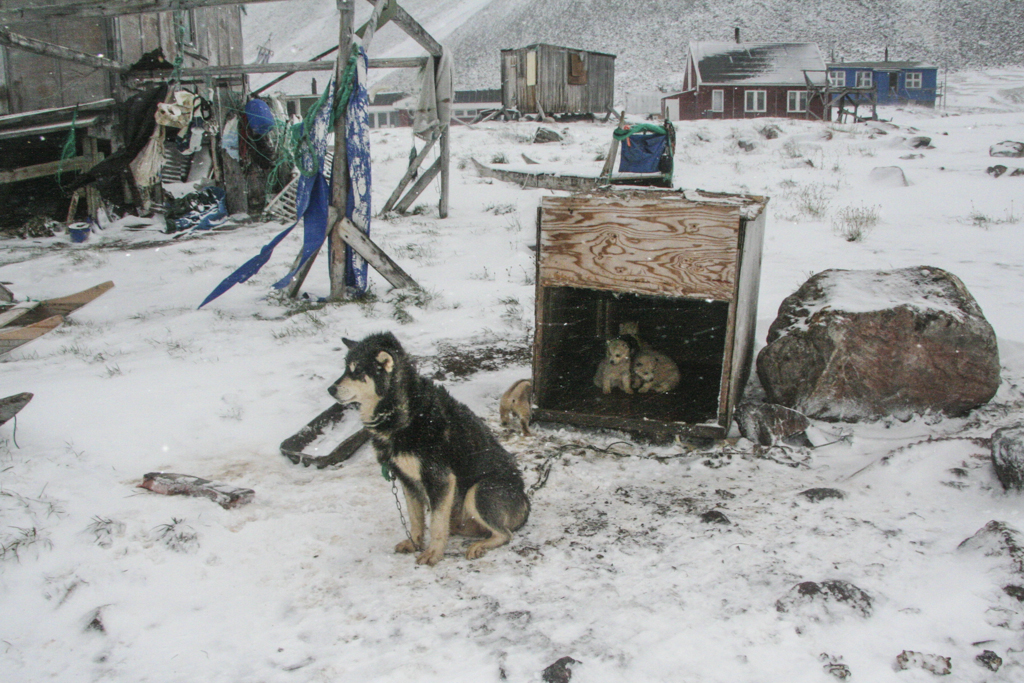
{"x":681,"y":270}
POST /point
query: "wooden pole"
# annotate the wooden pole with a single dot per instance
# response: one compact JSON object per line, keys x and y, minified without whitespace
{"x":39,"y":47}
{"x":340,"y":180}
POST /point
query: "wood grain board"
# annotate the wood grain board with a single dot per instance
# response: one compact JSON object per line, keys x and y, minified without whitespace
{"x":662,"y":246}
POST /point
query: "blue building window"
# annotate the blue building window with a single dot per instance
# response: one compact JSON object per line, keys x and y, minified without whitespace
{"x":837,"y":79}
{"x":864,"y":79}
{"x":913,"y":80}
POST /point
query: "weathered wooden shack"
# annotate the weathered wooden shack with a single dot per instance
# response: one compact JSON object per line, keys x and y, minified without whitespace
{"x":679,"y":272}
{"x":69,"y":65}
{"x":748,"y":80}
{"x":550,"y":80}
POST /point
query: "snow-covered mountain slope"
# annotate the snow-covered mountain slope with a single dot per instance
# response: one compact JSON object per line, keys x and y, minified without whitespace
{"x":649,"y":37}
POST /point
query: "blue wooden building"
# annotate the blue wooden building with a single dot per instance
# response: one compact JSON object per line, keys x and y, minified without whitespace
{"x":884,"y":82}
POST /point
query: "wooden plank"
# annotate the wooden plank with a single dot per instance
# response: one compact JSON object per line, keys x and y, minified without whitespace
{"x":747,"y":292}
{"x":39,"y":47}
{"x":547,"y":181}
{"x":64,"y":305}
{"x":82,"y":163}
{"x":410,"y":172}
{"x":16,"y":311}
{"x":106,"y":8}
{"x":665,"y":246}
{"x":9,"y":120}
{"x":374,"y":255}
{"x":287,"y":68}
{"x":445,"y":160}
{"x":415,"y":31}
{"x":10,"y":406}
{"x":47,"y":129}
{"x":13,"y":338}
{"x":418,"y":187}
{"x":652,"y":428}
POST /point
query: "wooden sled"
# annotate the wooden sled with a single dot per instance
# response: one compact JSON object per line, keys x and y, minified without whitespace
{"x":291,"y":447}
{"x":36,"y":318}
{"x":10,"y":406}
{"x":15,"y":337}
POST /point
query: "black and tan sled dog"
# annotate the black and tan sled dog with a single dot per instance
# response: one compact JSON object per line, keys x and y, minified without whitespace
{"x":445,"y":456}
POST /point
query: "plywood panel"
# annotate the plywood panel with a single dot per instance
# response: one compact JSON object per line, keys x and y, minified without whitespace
{"x":667,"y":247}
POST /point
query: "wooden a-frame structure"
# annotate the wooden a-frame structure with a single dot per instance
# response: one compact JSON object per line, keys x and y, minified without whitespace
{"x":341,"y":231}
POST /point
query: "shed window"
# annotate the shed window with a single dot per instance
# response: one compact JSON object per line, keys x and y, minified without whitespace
{"x":755,"y":101}
{"x":837,"y":78}
{"x":531,"y":68}
{"x":796,"y":101}
{"x":577,"y":69}
{"x":717,"y":100}
{"x":913,"y":80}
{"x":864,"y":79}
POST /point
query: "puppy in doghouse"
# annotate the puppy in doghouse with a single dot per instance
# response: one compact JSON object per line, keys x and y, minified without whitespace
{"x":616,"y":368}
{"x":517,"y":401}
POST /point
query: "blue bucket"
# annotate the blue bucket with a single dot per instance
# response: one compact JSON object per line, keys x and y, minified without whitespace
{"x":79,"y":232}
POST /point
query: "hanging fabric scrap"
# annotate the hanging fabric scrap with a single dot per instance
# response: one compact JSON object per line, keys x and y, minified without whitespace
{"x":357,"y":140}
{"x":312,"y":200}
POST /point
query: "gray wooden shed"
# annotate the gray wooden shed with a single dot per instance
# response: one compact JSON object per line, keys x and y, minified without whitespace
{"x":549,"y":80}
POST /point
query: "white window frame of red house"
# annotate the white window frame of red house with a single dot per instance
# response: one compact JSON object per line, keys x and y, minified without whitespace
{"x":796,"y":101}
{"x":837,"y":78}
{"x":718,"y":100}
{"x":913,"y":80}
{"x":865,"y":79}
{"x":761,"y":95}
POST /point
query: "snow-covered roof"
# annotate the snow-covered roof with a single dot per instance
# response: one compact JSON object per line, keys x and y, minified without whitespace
{"x":880,"y":66}
{"x":758,"y":63}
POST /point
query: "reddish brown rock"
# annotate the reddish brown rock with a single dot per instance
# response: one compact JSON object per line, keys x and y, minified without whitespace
{"x":853,"y":345}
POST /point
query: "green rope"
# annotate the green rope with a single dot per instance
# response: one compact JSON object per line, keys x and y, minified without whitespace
{"x":296,"y":141}
{"x":70,"y":148}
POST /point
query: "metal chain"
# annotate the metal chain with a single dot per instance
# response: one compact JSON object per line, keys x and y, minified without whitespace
{"x":401,"y":515}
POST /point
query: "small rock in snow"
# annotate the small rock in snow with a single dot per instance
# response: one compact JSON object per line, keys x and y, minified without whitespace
{"x":559,"y":672}
{"x":990,"y":660}
{"x":1008,"y":457}
{"x":996,"y":171}
{"x":714,"y":517}
{"x":998,"y":539}
{"x":1007,"y":148}
{"x":819,"y":494}
{"x":937,"y":664}
{"x":815,"y":599}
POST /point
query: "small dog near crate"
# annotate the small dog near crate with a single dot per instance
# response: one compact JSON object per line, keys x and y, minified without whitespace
{"x":444,"y":455}
{"x":517,"y":401}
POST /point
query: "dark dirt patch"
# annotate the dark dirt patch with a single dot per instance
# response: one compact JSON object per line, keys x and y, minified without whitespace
{"x":459,"y":362}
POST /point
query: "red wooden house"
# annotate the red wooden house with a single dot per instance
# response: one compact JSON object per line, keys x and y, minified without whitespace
{"x":749,"y":80}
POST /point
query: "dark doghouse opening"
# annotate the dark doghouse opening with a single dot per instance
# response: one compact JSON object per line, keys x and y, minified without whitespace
{"x":577,"y":322}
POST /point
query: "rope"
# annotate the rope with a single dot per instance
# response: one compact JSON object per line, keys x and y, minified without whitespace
{"x":70,"y":147}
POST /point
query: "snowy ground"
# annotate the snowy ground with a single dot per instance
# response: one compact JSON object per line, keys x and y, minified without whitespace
{"x":103,"y":581}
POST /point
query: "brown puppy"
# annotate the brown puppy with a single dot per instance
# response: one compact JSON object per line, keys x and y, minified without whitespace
{"x":517,"y":401}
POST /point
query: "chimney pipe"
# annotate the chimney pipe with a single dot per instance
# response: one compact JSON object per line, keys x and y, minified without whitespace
{"x":887,"y":53}
{"x":737,"y":29}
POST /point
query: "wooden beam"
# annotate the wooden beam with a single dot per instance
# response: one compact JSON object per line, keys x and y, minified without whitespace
{"x":11,"y":13}
{"x":285,"y":67}
{"x":374,"y":255}
{"x":445,"y":159}
{"x":337,"y":263}
{"x":420,"y":185}
{"x":410,"y":173}
{"x":46,"y":129}
{"x":39,"y":47}
{"x":415,"y":31}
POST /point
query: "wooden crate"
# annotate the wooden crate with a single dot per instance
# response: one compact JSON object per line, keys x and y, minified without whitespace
{"x":684,"y":266}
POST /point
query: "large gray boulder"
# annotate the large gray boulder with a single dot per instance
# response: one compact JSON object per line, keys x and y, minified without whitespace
{"x":854,"y":345}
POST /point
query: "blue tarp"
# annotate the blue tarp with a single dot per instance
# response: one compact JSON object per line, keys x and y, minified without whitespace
{"x":641,"y":153}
